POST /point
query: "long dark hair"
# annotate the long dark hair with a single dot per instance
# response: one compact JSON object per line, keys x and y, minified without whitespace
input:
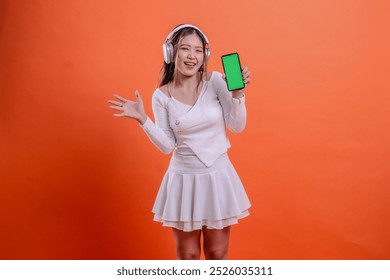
{"x":168,"y":70}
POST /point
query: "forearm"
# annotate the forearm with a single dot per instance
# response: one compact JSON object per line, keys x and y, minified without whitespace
{"x":236,"y":118}
{"x":158,"y":137}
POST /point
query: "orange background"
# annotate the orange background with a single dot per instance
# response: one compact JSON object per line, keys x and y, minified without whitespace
{"x":78,"y":183}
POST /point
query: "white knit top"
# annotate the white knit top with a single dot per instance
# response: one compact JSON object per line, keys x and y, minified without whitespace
{"x":197,"y":129}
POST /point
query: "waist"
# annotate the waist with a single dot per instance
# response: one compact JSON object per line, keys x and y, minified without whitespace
{"x":190,"y":163}
{"x":184,"y":150}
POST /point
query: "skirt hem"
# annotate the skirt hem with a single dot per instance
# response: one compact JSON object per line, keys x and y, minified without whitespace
{"x":188,"y":226}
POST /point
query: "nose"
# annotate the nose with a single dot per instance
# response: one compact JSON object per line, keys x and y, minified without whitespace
{"x":191,"y":54}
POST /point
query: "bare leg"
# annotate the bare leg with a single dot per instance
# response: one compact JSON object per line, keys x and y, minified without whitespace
{"x":187,"y":244}
{"x":216,"y":243}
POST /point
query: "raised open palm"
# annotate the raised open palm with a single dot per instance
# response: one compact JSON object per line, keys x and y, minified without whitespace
{"x":128,"y":108}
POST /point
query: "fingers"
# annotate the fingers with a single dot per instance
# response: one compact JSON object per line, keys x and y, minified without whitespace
{"x":119,"y":115}
{"x":245,"y":75}
{"x":138,"y":95}
{"x":120,"y":108}
{"x":120,"y":98}
{"x":245,"y":71}
{"x":118,"y":105}
{"x":247,"y":80}
{"x":115,"y":102}
{"x":124,"y":104}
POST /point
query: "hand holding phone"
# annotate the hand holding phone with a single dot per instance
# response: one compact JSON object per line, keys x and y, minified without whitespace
{"x":232,"y":68}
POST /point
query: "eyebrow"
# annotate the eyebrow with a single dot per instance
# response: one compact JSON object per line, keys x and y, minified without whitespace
{"x":188,"y":45}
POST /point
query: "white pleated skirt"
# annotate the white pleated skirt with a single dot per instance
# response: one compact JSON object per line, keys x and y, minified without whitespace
{"x":192,"y":195}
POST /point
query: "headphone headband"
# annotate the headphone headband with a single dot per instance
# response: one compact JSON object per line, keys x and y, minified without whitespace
{"x":181,"y":26}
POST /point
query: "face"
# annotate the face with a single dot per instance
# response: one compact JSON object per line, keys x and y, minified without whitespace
{"x":190,"y":55}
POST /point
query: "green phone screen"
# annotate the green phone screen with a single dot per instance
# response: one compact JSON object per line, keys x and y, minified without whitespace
{"x":232,"y":68}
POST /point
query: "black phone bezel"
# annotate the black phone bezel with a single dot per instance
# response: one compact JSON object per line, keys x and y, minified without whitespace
{"x":239,"y":63}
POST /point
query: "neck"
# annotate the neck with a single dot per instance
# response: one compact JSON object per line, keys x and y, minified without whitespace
{"x":180,"y":80}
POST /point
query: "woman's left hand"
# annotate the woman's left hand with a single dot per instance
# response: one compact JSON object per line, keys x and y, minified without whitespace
{"x":245,"y":75}
{"x":246,"y":78}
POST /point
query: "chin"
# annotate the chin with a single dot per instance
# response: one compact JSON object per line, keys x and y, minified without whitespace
{"x":190,"y":73}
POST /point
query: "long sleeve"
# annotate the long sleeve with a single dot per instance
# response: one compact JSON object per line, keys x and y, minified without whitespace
{"x":160,"y":133}
{"x":234,"y":110}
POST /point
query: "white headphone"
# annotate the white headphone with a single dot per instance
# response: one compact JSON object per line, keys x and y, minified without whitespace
{"x":168,"y":47}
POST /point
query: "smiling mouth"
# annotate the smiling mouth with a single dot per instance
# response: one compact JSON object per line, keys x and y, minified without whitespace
{"x":189,"y":63}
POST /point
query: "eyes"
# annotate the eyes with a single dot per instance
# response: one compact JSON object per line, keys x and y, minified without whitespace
{"x":187,"y":49}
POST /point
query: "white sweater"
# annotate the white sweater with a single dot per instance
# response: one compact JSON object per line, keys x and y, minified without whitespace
{"x":198,"y":129}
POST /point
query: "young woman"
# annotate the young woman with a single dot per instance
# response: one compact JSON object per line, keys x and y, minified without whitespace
{"x":201,"y":192}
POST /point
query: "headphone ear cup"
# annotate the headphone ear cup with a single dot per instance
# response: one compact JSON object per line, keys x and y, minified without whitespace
{"x":164,"y":49}
{"x":171,"y":51}
{"x":168,"y":53}
{"x":207,"y":54}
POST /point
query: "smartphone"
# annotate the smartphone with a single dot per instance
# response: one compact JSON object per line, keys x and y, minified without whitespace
{"x":232,"y":68}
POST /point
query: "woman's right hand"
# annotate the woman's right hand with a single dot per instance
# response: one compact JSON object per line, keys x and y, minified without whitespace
{"x":130,"y":109}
